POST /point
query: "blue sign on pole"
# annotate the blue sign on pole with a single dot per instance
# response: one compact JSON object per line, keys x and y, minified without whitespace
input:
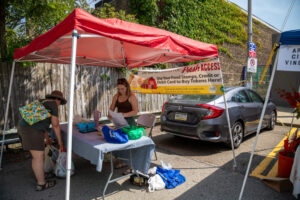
{"x":252,"y":46}
{"x":252,"y":50}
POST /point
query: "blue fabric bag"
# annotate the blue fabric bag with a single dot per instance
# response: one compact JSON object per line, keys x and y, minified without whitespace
{"x":114,"y":136}
{"x":86,"y":127}
{"x":171,"y":177}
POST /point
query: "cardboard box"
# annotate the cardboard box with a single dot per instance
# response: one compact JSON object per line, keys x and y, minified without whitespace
{"x":279,"y":184}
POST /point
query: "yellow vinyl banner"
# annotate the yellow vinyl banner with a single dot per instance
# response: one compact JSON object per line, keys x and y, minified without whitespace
{"x":201,"y":78}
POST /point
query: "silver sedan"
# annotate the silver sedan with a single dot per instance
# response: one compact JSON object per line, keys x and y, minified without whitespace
{"x":203,"y":116}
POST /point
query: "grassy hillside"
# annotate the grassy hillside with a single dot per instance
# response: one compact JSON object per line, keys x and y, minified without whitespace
{"x":211,"y":21}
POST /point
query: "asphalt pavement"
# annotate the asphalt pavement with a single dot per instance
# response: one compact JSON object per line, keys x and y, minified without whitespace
{"x":206,"y":166}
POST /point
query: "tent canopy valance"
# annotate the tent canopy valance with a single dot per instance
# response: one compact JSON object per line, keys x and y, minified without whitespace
{"x":112,"y":43}
{"x":290,"y":37}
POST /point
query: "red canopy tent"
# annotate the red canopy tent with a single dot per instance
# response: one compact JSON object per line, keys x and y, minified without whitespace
{"x":84,"y":39}
{"x":112,"y":43}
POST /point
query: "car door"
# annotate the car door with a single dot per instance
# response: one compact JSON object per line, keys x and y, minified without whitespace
{"x":246,"y":111}
{"x":258,"y":102}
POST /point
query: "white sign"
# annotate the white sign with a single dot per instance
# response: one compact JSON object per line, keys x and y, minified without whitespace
{"x":252,"y":65}
{"x":289,"y":58}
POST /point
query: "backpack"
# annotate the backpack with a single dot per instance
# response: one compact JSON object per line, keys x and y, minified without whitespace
{"x":34,"y":112}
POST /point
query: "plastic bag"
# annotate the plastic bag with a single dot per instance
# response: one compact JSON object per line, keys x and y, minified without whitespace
{"x":61,"y":165}
{"x":165,"y":165}
{"x":152,"y":170}
{"x":156,"y":183}
{"x":50,"y":158}
{"x":134,"y":132}
{"x":54,"y":153}
{"x":114,"y":136}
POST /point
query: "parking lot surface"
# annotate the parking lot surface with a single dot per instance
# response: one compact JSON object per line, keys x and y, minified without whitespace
{"x":206,"y":166}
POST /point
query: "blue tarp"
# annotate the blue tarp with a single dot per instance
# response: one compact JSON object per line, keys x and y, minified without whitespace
{"x":290,"y":37}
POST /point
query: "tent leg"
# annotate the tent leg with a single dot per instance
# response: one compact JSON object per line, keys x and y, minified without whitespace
{"x":230,"y":131}
{"x":70,"y":113}
{"x":229,"y":126}
{"x":259,"y":126}
{"x":6,"y":110}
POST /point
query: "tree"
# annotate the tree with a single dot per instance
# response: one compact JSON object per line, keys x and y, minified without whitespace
{"x":3,"y":5}
{"x":23,"y":20}
{"x":108,"y":11}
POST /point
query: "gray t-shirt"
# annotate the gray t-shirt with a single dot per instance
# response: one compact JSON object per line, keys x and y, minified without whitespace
{"x":43,"y":125}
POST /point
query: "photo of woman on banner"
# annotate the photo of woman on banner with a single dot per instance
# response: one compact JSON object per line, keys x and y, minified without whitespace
{"x":145,"y":83}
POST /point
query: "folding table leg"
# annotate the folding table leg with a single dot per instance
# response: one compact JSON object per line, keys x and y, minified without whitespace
{"x":155,"y":154}
{"x":110,"y":175}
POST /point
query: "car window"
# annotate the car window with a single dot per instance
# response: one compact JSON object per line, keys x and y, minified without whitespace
{"x":255,"y":97}
{"x":198,"y":97}
{"x":241,"y":97}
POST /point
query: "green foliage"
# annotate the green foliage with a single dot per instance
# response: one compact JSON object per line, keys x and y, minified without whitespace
{"x":213,"y":21}
{"x":105,"y":77}
{"x":38,"y":16}
{"x":147,"y":11}
{"x":108,"y":11}
{"x":26,"y":19}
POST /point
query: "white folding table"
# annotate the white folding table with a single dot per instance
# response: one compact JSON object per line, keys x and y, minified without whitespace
{"x":92,"y":147}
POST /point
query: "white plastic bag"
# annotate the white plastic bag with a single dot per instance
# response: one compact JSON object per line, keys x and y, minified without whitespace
{"x":49,"y":164}
{"x":156,"y":183}
{"x":152,"y":170}
{"x":165,"y":165}
{"x":61,"y":166}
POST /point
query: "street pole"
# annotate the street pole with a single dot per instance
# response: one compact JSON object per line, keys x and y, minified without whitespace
{"x":250,"y":32}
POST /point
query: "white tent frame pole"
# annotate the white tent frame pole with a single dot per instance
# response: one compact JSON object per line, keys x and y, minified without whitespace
{"x":229,"y":126}
{"x":6,"y":110}
{"x":259,"y":125}
{"x":70,"y":113}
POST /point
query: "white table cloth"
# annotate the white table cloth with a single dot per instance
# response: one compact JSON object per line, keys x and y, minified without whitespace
{"x":92,"y":147}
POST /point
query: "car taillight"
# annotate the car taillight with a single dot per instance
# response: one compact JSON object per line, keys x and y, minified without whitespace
{"x":163,"y":107}
{"x":214,"y":111}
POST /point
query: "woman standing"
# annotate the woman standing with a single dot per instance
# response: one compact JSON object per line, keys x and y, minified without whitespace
{"x":33,"y":136}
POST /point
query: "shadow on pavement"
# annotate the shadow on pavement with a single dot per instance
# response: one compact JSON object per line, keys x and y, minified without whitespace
{"x":17,"y":182}
{"x":226,"y":184}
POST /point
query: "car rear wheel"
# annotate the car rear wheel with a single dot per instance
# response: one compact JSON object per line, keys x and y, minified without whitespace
{"x":272,"y":121}
{"x":237,"y":134}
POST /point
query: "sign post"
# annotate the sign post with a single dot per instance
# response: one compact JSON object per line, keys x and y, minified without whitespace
{"x":252,"y":65}
{"x":252,"y":61}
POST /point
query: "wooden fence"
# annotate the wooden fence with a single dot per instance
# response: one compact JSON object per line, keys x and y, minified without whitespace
{"x":94,"y":89}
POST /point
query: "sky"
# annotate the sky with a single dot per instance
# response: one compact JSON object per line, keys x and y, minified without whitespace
{"x":274,"y":12}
